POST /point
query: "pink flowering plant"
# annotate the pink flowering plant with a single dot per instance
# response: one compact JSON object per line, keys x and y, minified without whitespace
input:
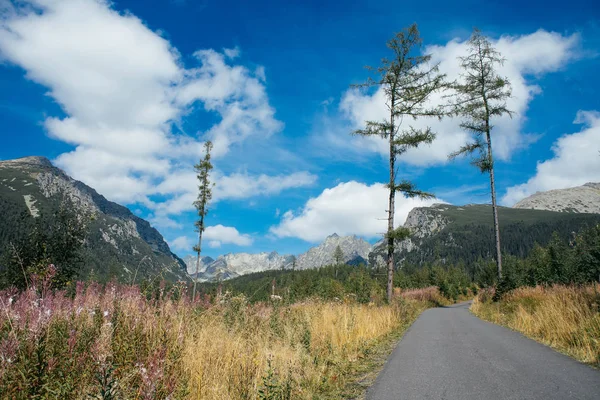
{"x":103,"y":342}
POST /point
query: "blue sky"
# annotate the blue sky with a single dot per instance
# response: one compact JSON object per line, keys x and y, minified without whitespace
{"x":122,"y":95}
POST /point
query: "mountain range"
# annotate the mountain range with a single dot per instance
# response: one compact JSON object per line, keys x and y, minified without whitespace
{"x":122,"y":245}
{"x":354,"y":249}
{"x":119,"y":244}
{"x":440,"y":233}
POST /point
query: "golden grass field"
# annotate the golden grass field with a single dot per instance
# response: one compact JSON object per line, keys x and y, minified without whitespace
{"x":115,"y":342}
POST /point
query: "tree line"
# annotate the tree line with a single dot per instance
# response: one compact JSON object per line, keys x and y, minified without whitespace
{"x":574,"y":260}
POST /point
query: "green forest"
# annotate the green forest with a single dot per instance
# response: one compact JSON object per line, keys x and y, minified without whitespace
{"x":573,"y":260}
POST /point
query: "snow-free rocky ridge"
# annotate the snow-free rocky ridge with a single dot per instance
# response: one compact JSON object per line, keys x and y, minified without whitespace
{"x":119,"y":243}
{"x":580,"y":199}
{"x":230,"y":265}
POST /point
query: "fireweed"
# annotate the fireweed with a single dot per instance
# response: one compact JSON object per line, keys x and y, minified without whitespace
{"x":114,"y":342}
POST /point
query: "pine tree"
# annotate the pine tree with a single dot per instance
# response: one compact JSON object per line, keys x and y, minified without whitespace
{"x":408,"y":81}
{"x":338,"y":255}
{"x":481,"y":96}
{"x":204,"y":196}
{"x":293,"y":263}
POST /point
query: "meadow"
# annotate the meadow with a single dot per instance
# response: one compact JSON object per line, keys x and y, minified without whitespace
{"x":114,"y":341}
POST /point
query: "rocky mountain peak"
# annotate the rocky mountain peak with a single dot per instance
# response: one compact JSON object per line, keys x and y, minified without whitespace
{"x":116,"y":235}
{"x":231,"y":265}
{"x":579,"y":199}
{"x":353,"y":247}
{"x":593,"y":185}
{"x":37,"y":161}
{"x":425,"y":221}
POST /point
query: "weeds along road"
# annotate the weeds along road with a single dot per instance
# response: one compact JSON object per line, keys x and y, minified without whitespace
{"x":448,"y":353}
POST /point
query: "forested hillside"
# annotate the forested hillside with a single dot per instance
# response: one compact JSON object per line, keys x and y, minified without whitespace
{"x":37,"y":200}
{"x":450,"y":234}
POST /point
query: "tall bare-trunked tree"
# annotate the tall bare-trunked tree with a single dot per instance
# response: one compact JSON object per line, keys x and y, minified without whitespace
{"x":408,"y":81}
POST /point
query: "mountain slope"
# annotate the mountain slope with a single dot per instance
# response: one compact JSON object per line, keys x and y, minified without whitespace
{"x":232,"y":265}
{"x":190,"y":262}
{"x":353,"y":248}
{"x":119,"y":243}
{"x":447,"y":233}
{"x":236,"y":264}
{"x":580,"y":199}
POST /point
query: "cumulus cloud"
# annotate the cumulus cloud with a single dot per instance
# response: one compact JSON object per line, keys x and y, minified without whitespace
{"x":576,"y":161}
{"x":182,"y":243}
{"x":122,"y":87}
{"x":346,"y":209}
{"x":527,"y":57}
{"x":219,"y":234}
{"x":182,"y":185}
{"x":241,"y":185}
{"x":214,"y":236}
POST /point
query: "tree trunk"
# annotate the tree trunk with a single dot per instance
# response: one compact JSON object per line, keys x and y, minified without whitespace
{"x":198,"y":257}
{"x":494,"y":208}
{"x":491,"y":165}
{"x":390,"y":282}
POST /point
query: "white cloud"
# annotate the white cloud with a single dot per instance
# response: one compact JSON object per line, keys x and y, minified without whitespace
{"x":534,"y":54}
{"x":236,"y":94}
{"x":123,"y":86}
{"x":242,"y":185}
{"x":346,"y":209}
{"x":232,"y":53}
{"x":182,"y":243}
{"x":214,"y":237}
{"x":183,"y":187}
{"x":219,"y":234}
{"x":576,"y":161}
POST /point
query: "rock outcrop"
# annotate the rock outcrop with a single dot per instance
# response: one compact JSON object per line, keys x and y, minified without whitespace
{"x":352,"y":248}
{"x":118,"y":240}
{"x":580,"y":199}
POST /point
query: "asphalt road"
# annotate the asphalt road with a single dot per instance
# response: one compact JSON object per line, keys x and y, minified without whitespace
{"x":448,"y":353}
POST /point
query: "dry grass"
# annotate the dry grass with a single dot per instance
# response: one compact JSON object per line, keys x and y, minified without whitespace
{"x":429,"y":295}
{"x":564,"y":317}
{"x":116,"y":340}
{"x":296,"y":352}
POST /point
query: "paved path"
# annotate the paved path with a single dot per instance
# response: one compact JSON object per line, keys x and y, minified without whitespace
{"x":450,"y":354}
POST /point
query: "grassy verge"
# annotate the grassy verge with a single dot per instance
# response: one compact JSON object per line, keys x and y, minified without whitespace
{"x":113,"y":342}
{"x":566,"y":318}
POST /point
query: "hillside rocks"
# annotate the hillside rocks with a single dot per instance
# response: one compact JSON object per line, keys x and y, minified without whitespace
{"x":352,"y":247}
{"x":580,"y":199}
{"x":228,"y":266}
{"x":119,"y":243}
{"x":423,"y":222}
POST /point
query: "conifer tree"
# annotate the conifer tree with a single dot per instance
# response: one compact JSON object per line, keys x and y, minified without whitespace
{"x":408,"y":81}
{"x":481,"y":96}
{"x":338,"y":255}
{"x":204,"y":196}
